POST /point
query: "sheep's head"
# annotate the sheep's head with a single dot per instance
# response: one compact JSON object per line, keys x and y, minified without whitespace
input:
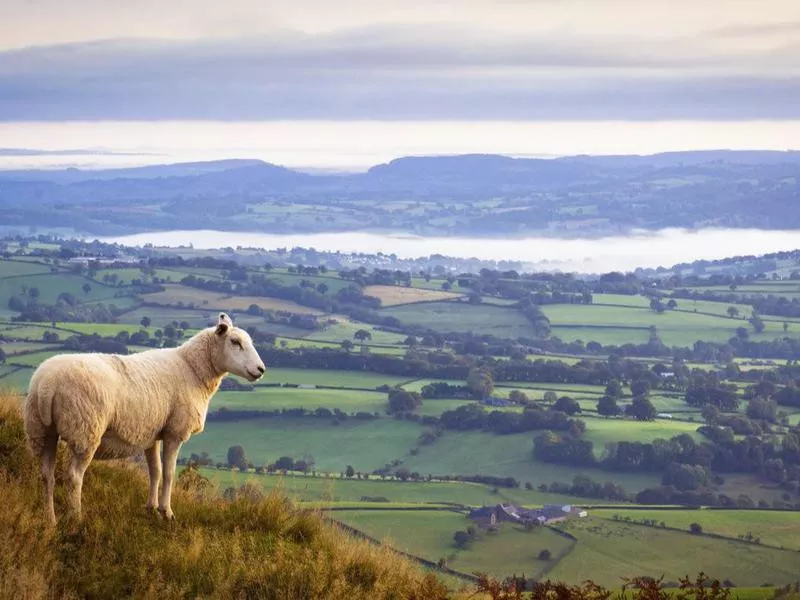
{"x":237,"y":354}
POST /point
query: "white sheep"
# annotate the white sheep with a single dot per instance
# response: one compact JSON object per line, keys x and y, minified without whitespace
{"x":110,"y":406}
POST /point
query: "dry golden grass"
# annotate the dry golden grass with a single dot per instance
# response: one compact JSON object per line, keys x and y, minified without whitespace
{"x":252,"y":546}
{"x":180,"y":295}
{"x":392,"y":295}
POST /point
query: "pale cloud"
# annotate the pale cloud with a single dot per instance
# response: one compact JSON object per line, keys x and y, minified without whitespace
{"x":469,"y":59}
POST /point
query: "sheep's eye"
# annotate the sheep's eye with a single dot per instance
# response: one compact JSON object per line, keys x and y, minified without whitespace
{"x":237,"y":343}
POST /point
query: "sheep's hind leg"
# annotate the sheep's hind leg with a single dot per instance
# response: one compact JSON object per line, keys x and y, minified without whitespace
{"x":171,"y":448}
{"x":48,"y":456}
{"x":153,"y":456}
{"x":77,"y":468}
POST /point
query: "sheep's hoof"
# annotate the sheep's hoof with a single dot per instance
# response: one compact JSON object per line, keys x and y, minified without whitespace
{"x":151,"y":509}
{"x":167,"y":514}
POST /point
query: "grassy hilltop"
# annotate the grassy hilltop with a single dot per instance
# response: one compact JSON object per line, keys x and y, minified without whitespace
{"x":252,"y":547}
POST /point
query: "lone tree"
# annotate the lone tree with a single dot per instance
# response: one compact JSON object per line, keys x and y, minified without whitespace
{"x":567,"y":405}
{"x":462,"y":538}
{"x":696,"y":528}
{"x":641,"y":409}
{"x":480,"y":383}
{"x":401,"y":401}
{"x":545,"y":554}
{"x":733,"y":312}
{"x":757,"y":323}
{"x":550,"y":397}
{"x":362,"y":335}
{"x":607,"y":407}
{"x":86,"y":288}
{"x":237,"y":457}
{"x":145,"y":322}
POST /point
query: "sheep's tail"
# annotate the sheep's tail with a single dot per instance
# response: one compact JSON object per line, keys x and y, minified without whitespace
{"x":40,"y":400}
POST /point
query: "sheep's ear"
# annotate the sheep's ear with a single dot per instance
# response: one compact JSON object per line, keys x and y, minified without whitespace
{"x":221,"y":328}
{"x":224,"y":318}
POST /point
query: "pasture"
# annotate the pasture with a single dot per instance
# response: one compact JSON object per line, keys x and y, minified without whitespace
{"x":393,"y":295}
{"x":16,"y":268}
{"x":606,"y":551}
{"x":277,"y":398}
{"x":345,"y":328}
{"x":353,"y":379}
{"x":601,"y":431}
{"x":12,"y":348}
{"x":183,"y":296}
{"x":775,"y":528}
{"x":51,"y":285}
{"x":616,"y":325}
{"x":305,"y":488}
{"x":461,"y":316}
{"x":471,"y":452}
{"x":366,"y":445}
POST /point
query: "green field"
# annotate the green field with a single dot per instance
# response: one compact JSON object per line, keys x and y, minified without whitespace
{"x":511,"y":550}
{"x":788,"y":289}
{"x":775,"y":528}
{"x":34,"y":359}
{"x":460,"y":316}
{"x":51,"y":285}
{"x":345,"y":328}
{"x":562,"y":389}
{"x":366,"y":445}
{"x":607,"y":551}
{"x":471,"y":452}
{"x":276,"y":398}
{"x":604,"y":431}
{"x":615,"y":325}
{"x":15,"y":379}
{"x":12,"y":348}
{"x":435,"y":407}
{"x":355,"y":379}
{"x":14,"y":268}
{"x":429,"y":534}
{"x":305,"y":488}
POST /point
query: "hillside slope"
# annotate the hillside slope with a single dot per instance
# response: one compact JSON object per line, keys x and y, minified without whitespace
{"x":251,"y":547}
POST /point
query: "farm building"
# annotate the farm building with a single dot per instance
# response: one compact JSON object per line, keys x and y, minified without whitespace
{"x":487,"y":516}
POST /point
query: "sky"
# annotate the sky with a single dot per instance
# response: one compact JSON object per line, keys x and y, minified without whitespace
{"x":567,"y":68}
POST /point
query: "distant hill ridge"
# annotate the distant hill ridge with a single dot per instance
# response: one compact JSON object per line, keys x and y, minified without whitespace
{"x":590,"y":195}
{"x":416,"y":165}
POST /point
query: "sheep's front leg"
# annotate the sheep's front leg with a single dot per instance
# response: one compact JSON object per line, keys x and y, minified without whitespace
{"x":171,"y":448}
{"x":153,"y":456}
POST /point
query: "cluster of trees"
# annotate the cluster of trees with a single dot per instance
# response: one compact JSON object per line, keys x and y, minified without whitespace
{"x":67,"y":307}
{"x":586,"y":487}
{"x":684,"y":464}
{"x":282,"y":317}
{"x":565,"y":449}
{"x":402,"y":401}
{"x":475,"y":417}
{"x":442,"y":389}
{"x":94,"y":343}
{"x":336,"y":415}
{"x":769,"y":304}
{"x":706,"y":389}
